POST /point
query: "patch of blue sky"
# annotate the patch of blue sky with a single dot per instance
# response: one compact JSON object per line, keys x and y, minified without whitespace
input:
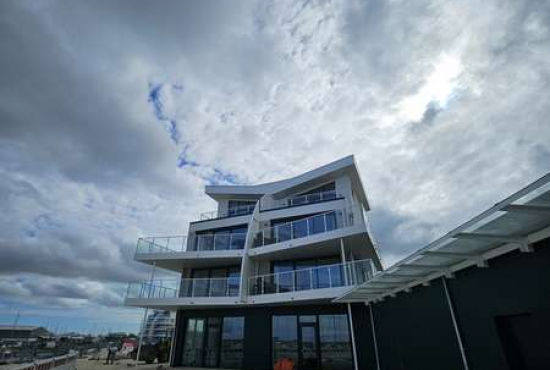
{"x":40,"y":223}
{"x":155,"y":98}
{"x":222,"y":178}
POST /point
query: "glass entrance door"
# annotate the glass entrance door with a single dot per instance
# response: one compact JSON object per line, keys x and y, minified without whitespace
{"x":212,"y":346}
{"x":309,"y":343}
{"x":193,"y":345}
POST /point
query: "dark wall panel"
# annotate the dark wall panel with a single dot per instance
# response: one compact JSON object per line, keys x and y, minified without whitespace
{"x":414,"y":331}
{"x":514,"y":288}
{"x":364,"y":341}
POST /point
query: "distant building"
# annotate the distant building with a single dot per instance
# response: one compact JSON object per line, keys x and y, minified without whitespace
{"x":159,"y":326}
{"x":22,"y":332}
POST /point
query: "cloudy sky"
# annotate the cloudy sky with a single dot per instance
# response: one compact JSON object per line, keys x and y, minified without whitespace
{"x":115,"y":114}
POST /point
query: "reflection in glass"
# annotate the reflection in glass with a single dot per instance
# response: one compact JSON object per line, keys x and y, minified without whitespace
{"x":193,"y":344}
{"x":335,"y":342}
{"x":317,"y":224}
{"x":284,"y":278}
{"x":285,"y":340}
{"x":283,"y":232}
{"x":221,"y":241}
{"x":238,"y":240}
{"x":308,"y":347}
{"x":212,"y":348}
{"x":305,"y":276}
{"x":299,"y":229}
{"x":232,"y":343}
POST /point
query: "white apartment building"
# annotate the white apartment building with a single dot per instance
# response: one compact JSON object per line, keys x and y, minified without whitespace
{"x":259,"y":274}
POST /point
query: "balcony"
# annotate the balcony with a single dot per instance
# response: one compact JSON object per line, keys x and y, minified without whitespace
{"x":305,"y":227}
{"x":321,"y":277}
{"x":300,"y":200}
{"x":184,"y":288}
{"x":231,"y":212}
{"x":201,"y":242}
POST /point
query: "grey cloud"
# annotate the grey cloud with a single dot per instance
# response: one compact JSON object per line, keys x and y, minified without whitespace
{"x":269,"y":90}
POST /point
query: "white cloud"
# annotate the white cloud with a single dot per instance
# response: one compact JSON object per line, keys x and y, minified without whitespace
{"x":444,"y":104}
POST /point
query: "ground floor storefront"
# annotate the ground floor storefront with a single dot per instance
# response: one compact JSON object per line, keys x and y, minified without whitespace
{"x":291,"y":337}
{"x":496,"y":317}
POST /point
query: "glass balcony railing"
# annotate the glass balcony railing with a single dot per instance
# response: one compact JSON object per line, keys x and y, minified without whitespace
{"x":298,"y":200}
{"x":161,"y":244}
{"x":201,"y":242}
{"x":231,"y":212}
{"x":210,"y":287}
{"x":154,"y":289}
{"x":184,"y":288}
{"x":321,"y":223}
{"x":327,"y":276}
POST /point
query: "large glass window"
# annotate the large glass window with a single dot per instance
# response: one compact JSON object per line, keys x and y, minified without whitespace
{"x":283,"y":278}
{"x":232,"y":343}
{"x":285,"y":342}
{"x":312,"y":342}
{"x":212,"y":345}
{"x":221,"y":239}
{"x":214,"y":342}
{"x":213,"y":282}
{"x":306,"y":274}
{"x":240,"y":207}
{"x":335,"y":342}
{"x":193,"y":343}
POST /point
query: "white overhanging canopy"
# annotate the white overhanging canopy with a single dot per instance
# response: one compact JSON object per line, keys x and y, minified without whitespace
{"x":514,"y":223}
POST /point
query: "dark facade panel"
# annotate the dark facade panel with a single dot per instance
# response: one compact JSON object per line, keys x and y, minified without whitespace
{"x":503,"y":314}
{"x":364,"y":340}
{"x":415,"y":331}
{"x":504,"y":311}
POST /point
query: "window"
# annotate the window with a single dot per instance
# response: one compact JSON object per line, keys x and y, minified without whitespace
{"x":285,"y":340}
{"x":240,"y":207}
{"x":193,"y":343}
{"x":221,"y":239}
{"x":212,"y":282}
{"x":306,"y":274}
{"x":232,"y":343}
{"x":214,"y":342}
{"x":335,"y":342}
{"x":311,"y":342}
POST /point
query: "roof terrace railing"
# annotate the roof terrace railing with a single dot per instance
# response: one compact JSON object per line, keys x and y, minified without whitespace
{"x":200,"y":242}
{"x":326,"y":276}
{"x":230,"y":212}
{"x":320,"y":223}
{"x":184,"y":288}
{"x":298,"y":200}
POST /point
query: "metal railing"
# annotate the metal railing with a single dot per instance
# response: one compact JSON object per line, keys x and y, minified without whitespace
{"x":230,"y":212}
{"x":66,"y":362}
{"x":326,"y":276}
{"x":321,"y":223}
{"x":210,"y":287}
{"x":161,"y":244}
{"x":201,"y":242}
{"x":154,"y":289}
{"x":298,"y":200}
{"x":185,"y":288}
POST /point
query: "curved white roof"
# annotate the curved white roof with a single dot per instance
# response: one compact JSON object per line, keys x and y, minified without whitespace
{"x":281,"y":188}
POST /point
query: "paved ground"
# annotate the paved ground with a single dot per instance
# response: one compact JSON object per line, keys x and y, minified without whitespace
{"x":85,"y":364}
